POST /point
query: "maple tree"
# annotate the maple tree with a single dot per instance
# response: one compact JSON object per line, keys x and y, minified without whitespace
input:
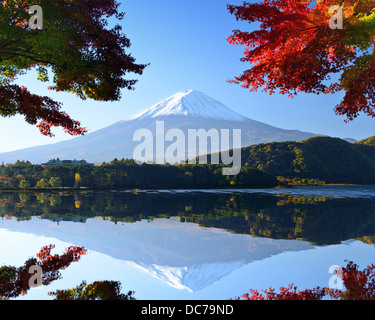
{"x":294,"y":49}
{"x":75,"y":44}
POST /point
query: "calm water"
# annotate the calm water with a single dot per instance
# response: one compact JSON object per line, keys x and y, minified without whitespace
{"x":191,"y":244}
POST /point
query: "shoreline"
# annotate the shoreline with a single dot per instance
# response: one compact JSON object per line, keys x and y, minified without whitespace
{"x":67,"y":189}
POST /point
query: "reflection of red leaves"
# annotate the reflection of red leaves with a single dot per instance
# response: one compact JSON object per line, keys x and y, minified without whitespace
{"x":359,"y":285}
{"x":52,"y":263}
{"x":289,"y":293}
{"x":15,"y":281}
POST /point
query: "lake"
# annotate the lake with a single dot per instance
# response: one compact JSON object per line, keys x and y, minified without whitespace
{"x":193,"y":244}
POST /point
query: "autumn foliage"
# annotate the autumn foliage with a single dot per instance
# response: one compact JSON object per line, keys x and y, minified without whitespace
{"x":98,"y":290}
{"x":294,"y":49}
{"x":37,"y":110}
{"x":358,"y":284}
{"x":15,"y":281}
{"x":289,"y":293}
{"x":75,"y":46}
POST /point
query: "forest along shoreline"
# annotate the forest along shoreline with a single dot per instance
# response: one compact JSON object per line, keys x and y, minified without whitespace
{"x":314,"y":162}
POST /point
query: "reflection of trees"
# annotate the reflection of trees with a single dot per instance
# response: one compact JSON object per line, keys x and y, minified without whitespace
{"x":98,"y":290}
{"x":318,"y":220}
{"x":16,"y":281}
{"x":358,"y":285}
{"x":320,"y":223}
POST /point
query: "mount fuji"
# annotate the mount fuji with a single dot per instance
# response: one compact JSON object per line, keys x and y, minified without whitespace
{"x":184,"y":110}
{"x":182,"y":255}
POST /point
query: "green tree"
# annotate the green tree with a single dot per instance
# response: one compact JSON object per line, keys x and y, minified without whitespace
{"x":55,"y":182}
{"x":42,"y":184}
{"x":75,"y":45}
{"x":98,"y":290}
{"x":24,"y":184}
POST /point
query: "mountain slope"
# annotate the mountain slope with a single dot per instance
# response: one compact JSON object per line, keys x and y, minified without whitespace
{"x":184,"y":111}
{"x":329,"y":159}
{"x":368,"y":141}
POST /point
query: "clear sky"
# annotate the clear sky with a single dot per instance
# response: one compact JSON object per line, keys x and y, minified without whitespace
{"x":185,"y":43}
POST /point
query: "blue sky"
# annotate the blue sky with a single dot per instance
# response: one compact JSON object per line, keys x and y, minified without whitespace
{"x":185,"y":43}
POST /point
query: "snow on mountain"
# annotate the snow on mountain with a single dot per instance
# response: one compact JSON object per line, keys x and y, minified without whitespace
{"x":190,"y":278}
{"x":190,"y":103}
{"x":184,"y":111}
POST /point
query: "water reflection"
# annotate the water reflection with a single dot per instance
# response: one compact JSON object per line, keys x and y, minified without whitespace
{"x":318,"y":219}
{"x":192,"y":240}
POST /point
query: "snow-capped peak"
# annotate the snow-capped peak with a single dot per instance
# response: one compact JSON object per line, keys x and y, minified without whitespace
{"x":190,"y":103}
{"x":193,"y":278}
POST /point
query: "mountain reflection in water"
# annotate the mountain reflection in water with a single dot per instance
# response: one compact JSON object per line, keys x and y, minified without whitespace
{"x":192,"y":239}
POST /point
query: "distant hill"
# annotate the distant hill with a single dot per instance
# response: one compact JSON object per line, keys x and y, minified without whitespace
{"x":351,"y":140}
{"x":332,"y":160}
{"x":370,"y":141}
